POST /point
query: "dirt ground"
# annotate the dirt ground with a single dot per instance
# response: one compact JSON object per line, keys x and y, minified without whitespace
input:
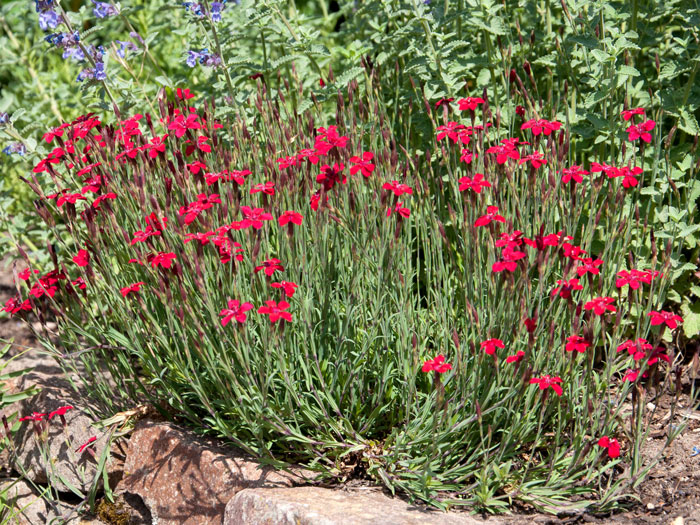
{"x":670,"y":494}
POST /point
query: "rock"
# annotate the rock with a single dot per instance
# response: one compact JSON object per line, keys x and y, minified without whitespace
{"x":319,"y":506}
{"x":184,"y":479}
{"x":66,"y":465}
{"x":28,"y":508}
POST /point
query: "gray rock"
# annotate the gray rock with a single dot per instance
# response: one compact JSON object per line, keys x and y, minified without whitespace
{"x":319,"y":506}
{"x":64,"y":465}
{"x":29,"y":508}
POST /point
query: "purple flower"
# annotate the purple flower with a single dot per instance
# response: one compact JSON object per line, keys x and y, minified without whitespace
{"x":104,"y":9}
{"x":43,"y":5}
{"x":4,"y":118}
{"x":96,"y":73}
{"x":49,"y":20}
{"x":216,"y":8}
{"x":124,"y":47}
{"x":15,"y":147}
{"x":193,"y":57}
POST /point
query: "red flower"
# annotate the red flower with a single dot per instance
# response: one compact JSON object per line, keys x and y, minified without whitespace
{"x":72,"y":198}
{"x":316,"y":200}
{"x":445,"y":101}
{"x":637,"y":349}
{"x":504,"y":152}
{"x":403,"y":212}
{"x":158,"y":224}
{"x":530,"y":324}
{"x":286,"y":162}
{"x":546,"y":382}
{"x":436,"y":365}
{"x":61,"y":411}
{"x":588,"y":266}
{"x":469,"y":103}
{"x":519,"y":356}
{"x":196,"y":166}
{"x":141,"y":236}
{"x":96,"y":203}
{"x":184,"y":94}
{"x":576,"y":343}
{"x":600,"y":305}
{"x":633,"y":278}
{"x":536,"y":159}
{"x":489,"y":346}
{"x":510,"y":240}
{"x":328,"y":139}
{"x":270,"y":266}
{"x":161,"y":258}
{"x":612,"y":445}
{"x":181,"y":124}
{"x":509,"y":256}
{"x":276,"y":311}
{"x":254,"y":217}
{"x":476,"y":184}
{"x":491,"y":215}
{"x":236,"y":311}
{"x":632,"y":375}
{"x":132,"y":288}
{"x":82,"y":259}
{"x":668,"y":318}
{"x":629,"y":113}
{"x":574,"y":252}
{"x":450,"y":130}
{"x":362,"y":164}
{"x":36,"y":416}
{"x":85,"y":445}
{"x":268,"y":188}
{"x":641,"y":131}
{"x":290,"y":216}
{"x":398,"y":188}
{"x":566,"y":287}
{"x":330,"y":176}
{"x":201,"y":144}
{"x":26,"y":274}
{"x":467,"y":156}
{"x":541,"y":126}
{"x":308,"y":154}
{"x":288,"y":287}
{"x":15,"y":304}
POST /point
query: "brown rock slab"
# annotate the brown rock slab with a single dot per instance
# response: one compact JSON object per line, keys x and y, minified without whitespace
{"x":319,"y":506}
{"x":187,"y":480}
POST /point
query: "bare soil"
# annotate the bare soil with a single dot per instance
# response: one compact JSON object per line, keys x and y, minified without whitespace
{"x":670,"y":495}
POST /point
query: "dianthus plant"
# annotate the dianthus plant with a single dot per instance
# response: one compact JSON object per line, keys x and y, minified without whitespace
{"x":464,"y":324}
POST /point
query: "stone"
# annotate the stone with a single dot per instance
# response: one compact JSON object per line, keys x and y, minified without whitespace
{"x":320,"y":506}
{"x":66,"y":466}
{"x":29,"y":508}
{"x":185,"y":479}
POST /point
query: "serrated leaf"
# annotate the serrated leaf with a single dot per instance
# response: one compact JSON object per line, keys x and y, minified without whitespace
{"x":349,"y":75}
{"x":600,"y":55}
{"x":688,"y":123}
{"x":628,"y":70}
{"x":691,"y":320}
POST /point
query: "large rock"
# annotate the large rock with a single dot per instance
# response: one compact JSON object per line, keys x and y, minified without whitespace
{"x":53,"y":457}
{"x":187,"y":480}
{"x":318,"y":506}
{"x":26,"y":507}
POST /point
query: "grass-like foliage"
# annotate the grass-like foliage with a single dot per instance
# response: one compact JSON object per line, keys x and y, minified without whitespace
{"x":474,"y":324}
